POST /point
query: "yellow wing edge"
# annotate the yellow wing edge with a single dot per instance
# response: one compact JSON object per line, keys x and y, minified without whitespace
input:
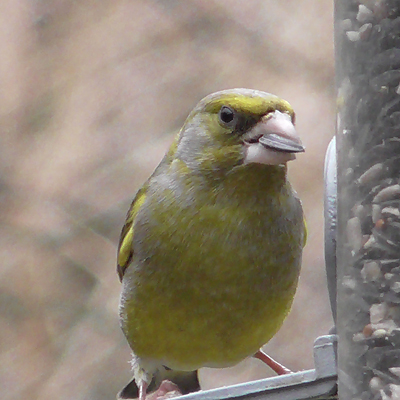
{"x":125,"y":248}
{"x":305,"y":232}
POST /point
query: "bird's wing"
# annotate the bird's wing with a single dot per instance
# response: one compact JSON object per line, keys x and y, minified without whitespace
{"x":125,"y":248}
{"x":305,"y":231}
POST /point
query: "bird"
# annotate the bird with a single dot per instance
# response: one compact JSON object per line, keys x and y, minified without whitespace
{"x":210,"y":253}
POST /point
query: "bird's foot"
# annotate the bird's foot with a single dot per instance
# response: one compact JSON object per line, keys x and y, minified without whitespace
{"x":274,"y":365}
{"x":167,"y":390}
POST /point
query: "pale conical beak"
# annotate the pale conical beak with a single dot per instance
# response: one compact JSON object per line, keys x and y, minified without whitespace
{"x":280,"y":134}
{"x":273,"y":140}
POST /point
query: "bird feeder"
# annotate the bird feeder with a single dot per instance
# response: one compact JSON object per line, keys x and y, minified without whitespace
{"x":368,"y":219}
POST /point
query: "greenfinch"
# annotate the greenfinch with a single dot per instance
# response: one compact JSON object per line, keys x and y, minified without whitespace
{"x":210,"y":254}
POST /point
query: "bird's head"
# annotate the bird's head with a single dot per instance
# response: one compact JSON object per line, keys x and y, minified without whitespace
{"x":238,"y":127}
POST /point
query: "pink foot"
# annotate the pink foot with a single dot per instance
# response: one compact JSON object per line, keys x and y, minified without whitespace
{"x":274,"y":365}
{"x":167,"y":390}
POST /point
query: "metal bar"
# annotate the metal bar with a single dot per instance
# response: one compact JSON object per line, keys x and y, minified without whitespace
{"x":314,"y":383}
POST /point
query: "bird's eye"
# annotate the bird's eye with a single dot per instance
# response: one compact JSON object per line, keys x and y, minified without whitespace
{"x":227,"y":116}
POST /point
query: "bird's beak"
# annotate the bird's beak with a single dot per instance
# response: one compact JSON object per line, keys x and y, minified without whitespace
{"x":273,"y":140}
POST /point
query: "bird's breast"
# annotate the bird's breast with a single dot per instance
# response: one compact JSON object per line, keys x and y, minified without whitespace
{"x":210,"y":282}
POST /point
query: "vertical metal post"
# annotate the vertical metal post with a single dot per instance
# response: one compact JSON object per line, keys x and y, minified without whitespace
{"x":367,"y":38}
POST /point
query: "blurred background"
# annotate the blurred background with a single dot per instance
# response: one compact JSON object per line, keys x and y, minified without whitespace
{"x":91,"y":94}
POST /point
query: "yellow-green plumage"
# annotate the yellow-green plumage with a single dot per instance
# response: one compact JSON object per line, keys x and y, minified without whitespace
{"x":210,"y":255}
